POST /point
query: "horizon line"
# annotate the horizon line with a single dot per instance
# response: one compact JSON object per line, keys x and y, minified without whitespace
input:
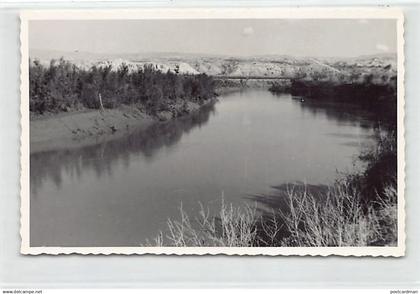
{"x":224,"y":55}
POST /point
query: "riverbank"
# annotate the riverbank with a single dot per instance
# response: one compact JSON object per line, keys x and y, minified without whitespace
{"x":87,"y":127}
{"x":333,"y":218}
{"x":355,"y":211}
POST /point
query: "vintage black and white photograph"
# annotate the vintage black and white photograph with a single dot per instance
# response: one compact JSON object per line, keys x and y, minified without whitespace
{"x":221,"y":132}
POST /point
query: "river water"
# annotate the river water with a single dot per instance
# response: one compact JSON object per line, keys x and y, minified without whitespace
{"x":121,"y":193}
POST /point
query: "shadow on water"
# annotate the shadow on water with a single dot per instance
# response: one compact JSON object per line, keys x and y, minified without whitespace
{"x":102,"y":157}
{"x":340,"y":112}
{"x":278,"y":198}
{"x":124,"y":190}
{"x":270,"y":207}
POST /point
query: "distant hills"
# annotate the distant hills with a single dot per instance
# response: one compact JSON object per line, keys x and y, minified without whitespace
{"x":381,"y":66}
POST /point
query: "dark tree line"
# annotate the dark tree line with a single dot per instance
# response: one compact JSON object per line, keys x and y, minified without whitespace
{"x":379,"y":99}
{"x":62,"y":86}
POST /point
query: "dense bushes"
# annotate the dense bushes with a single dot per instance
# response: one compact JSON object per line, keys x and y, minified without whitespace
{"x":62,"y":86}
{"x":379,"y":99}
{"x":359,"y":92}
{"x":278,"y":88}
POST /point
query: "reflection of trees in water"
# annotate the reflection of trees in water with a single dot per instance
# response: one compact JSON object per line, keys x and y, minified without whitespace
{"x":370,"y":183}
{"x":102,"y":157}
{"x":343,"y":113}
{"x":340,"y":112}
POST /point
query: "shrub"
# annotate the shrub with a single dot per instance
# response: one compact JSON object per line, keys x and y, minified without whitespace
{"x":338,"y":218}
{"x":63,"y":85}
{"x":358,"y":210}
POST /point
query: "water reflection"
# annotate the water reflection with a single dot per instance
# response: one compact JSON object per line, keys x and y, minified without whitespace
{"x":121,"y":192}
{"x":103,"y":157}
{"x":340,"y":112}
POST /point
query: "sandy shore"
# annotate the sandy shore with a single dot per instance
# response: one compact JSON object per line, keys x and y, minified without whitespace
{"x":76,"y":129}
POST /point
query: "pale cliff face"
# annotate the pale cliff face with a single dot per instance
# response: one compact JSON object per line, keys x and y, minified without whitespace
{"x":381,"y":67}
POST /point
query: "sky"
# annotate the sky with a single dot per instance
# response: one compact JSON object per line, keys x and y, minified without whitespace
{"x":239,"y":37}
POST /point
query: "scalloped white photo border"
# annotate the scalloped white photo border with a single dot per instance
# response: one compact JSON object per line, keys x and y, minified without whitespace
{"x":210,"y":13}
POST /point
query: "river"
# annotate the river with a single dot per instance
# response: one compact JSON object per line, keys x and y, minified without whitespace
{"x":121,"y":193}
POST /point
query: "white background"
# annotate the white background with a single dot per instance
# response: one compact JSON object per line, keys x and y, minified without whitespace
{"x":207,"y":271}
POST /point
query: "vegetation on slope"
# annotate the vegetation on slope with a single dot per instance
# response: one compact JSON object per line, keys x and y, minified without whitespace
{"x":338,"y":219}
{"x":62,"y":86}
{"x":344,"y":214}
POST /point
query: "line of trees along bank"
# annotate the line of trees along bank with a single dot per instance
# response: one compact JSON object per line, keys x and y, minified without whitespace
{"x":380,"y":99}
{"x":62,"y":86}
